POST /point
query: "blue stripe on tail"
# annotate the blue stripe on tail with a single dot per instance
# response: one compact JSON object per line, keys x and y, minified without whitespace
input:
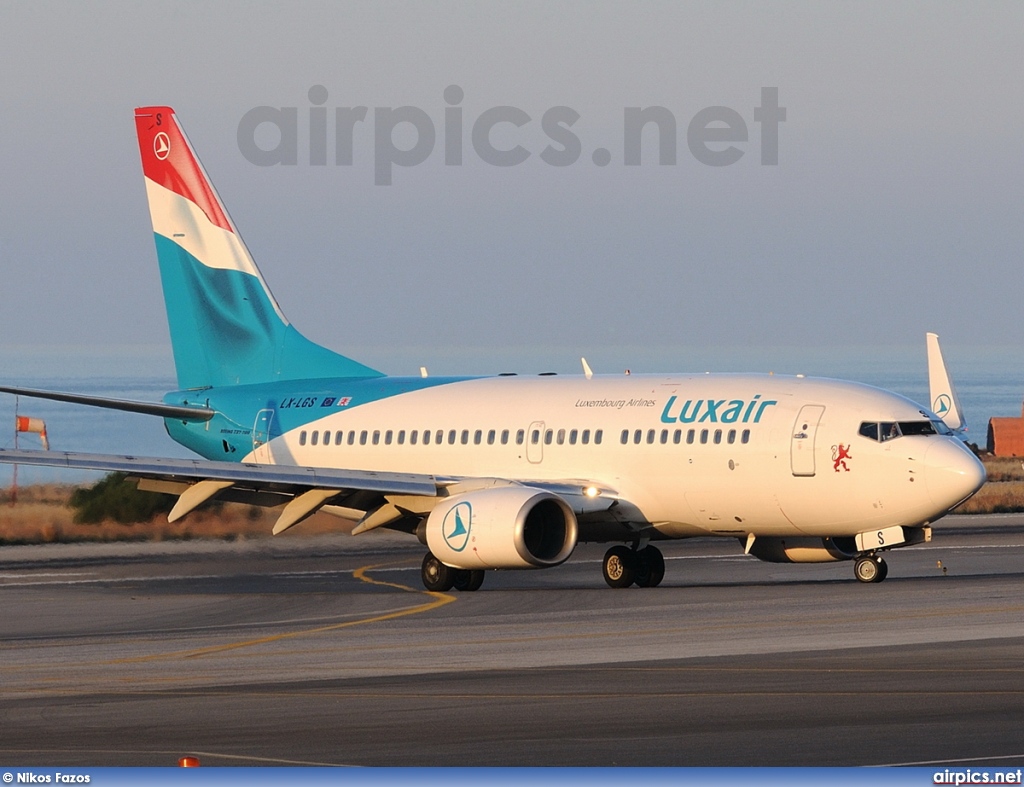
{"x":225,"y":331}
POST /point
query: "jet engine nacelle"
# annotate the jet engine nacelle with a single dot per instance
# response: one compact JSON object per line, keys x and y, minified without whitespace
{"x":803,"y":550}
{"x":502,"y":527}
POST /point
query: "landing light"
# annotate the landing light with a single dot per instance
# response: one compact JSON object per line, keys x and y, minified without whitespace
{"x":591,"y":491}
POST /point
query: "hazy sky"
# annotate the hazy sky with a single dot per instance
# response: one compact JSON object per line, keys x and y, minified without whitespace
{"x":895,"y":206}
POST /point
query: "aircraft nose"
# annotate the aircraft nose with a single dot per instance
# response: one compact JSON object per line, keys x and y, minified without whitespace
{"x":952,"y":472}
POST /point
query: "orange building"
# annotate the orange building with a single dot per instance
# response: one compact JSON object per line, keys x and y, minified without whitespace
{"x":1006,"y":436}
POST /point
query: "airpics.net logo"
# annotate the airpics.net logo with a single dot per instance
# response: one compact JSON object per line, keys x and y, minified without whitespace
{"x":716,"y":136}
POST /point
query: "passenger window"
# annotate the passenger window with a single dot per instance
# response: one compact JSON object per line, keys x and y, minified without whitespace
{"x":376,"y":436}
{"x":703,"y":436}
{"x":302,"y":437}
{"x":439,"y":436}
{"x":745,"y":437}
{"x":677,"y":435}
{"x":401,"y":437}
{"x":504,"y":436}
{"x":352,"y":437}
{"x":625,"y":436}
{"x":664,"y":436}
{"x":313,"y":437}
{"x":520,"y":436}
{"x":561,"y":437}
{"x":327,"y":437}
{"x":452,"y":435}
{"x":718,"y":436}
{"x":339,"y":437}
{"x":389,"y":435}
{"x":573,"y":434}
{"x":535,"y":436}
{"x":732,"y":436}
{"x":490,"y":437}
{"x":362,"y":437}
{"x":585,"y":437}
{"x":638,"y":436}
{"x":465,"y":437}
{"x":413,"y":436}
{"x":598,"y":436}
{"x":689,"y":436}
{"x":547,"y":436}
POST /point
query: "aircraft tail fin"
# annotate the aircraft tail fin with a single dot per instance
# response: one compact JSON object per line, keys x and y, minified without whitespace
{"x":226,"y":327}
{"x":944,"y":401}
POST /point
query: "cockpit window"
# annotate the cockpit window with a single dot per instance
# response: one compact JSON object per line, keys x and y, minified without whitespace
{"x":916,"y":427}
{"x":890,"y":430}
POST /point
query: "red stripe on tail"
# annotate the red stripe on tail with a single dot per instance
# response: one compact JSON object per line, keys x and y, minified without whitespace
{"x":167,"y":159}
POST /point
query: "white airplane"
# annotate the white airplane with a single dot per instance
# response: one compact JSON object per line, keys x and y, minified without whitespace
{"x":509,"y":472}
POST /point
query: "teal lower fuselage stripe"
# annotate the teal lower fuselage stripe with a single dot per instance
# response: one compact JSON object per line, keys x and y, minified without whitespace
{"x":293,"y":404}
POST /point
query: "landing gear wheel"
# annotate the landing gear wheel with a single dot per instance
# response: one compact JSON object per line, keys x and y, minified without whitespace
{"x":467,"y":580}
{"x":870,"y":569}
{"x":620,"y":566}
{"x":650,"y":568}
{"x":436,"y":575}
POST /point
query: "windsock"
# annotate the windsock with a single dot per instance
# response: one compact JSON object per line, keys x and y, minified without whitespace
{"x":37,"y":425}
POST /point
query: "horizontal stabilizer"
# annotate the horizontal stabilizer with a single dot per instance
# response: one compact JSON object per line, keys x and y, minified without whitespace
{"x":127,"y":405}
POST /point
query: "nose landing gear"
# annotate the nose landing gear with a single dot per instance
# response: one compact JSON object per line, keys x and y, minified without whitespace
{"x":870,"y":568}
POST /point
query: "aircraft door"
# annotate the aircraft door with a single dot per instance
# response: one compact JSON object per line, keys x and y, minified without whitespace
{"x":535,"y":443}
{"x":261,"y":435}
{"x":805,"y":430}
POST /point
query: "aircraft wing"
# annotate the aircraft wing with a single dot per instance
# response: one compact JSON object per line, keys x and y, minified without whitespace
{"x":304,"y":489}
{"x":374,"y":498}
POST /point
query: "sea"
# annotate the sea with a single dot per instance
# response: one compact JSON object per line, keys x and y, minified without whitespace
{"x":989,"y":381}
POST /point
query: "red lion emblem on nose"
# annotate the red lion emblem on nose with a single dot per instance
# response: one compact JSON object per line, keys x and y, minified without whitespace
{"x":840,"y":453}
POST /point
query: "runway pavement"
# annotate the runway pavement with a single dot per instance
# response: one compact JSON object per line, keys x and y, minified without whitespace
{"x":326,"y":650}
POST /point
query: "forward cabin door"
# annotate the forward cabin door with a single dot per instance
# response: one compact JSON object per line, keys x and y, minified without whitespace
{"x":805,"y":430}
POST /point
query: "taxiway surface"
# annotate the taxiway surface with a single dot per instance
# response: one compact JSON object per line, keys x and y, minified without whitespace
{"x":326,"y":650}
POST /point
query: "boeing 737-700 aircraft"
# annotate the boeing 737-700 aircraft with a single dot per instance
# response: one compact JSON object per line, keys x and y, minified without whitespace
{"x":509,"y":472}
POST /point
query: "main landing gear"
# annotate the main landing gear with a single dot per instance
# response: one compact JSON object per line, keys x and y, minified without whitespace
{"x":644,"y":568}
{"x":870,"y":568}
{"x":437,"y":576}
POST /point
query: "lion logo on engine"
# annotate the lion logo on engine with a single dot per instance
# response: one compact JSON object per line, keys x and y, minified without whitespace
{"x":456,"y":527}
